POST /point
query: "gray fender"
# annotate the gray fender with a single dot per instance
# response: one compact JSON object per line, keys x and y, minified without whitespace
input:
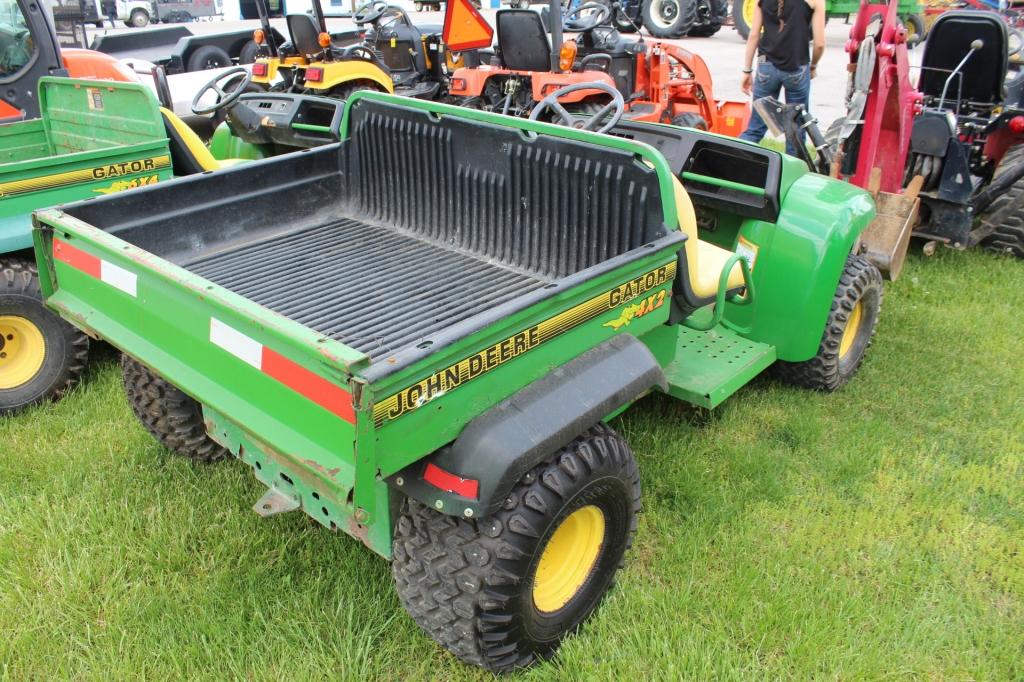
{"x":500,"y":445}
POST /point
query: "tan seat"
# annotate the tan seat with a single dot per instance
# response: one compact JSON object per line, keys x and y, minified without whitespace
{"x":704,"y":260}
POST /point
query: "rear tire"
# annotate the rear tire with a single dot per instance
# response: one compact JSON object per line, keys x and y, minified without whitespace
{"x":249,"y":53}
{"x":916,"y":32}
{"x":42,"y":357}
{"x":848,"y":331}
{"x":493,"y":591}
{"x":741,"y":9}
{"x":1007,"y":210}
{"x":668,"y":18}
{"x":174,"y":418}
{"x":208,"y":57}
{"x":345,"y":90}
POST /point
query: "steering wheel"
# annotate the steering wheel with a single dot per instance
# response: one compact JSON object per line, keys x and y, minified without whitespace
{"x":225,"y":99}
{"x":575,"y":21}
{"x":370,"y":12}
{"x":616,"y":107}
{"x":357,"y":51}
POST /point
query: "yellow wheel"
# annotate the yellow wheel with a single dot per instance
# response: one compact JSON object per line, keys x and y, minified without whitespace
{"x":848,"y":330}
{"x":22,"y":351}
{"x":500,"y":589}
{"x":568,"y":558}
{"x":41,"y":355}
{"x":743,"y":16}
{"x":852,"y":330}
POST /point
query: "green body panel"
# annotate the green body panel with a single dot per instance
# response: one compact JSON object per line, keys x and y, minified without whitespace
{"x":22,"y":141}
{"x":333,"y":466}
{"x":850,"y":7}
{"x":225,"y":145}
{"x":93,"y":139}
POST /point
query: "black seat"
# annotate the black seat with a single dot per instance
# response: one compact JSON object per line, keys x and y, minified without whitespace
{"x":949,"y":41}
{"x":523,"y":41}
{"x":304,"y":33}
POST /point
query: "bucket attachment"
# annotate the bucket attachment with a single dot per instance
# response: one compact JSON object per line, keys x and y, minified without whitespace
{"x":886,"y":239}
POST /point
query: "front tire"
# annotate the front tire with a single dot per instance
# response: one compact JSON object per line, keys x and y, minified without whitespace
{"x":502,"y":592}
{"x":171,"y":416}
{"x":848,"y":331}
{"x":42,"y":357}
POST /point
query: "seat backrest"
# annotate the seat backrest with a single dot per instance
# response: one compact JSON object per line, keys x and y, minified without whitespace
{"x":949,"y":42}
{"x":548,"y":205}
{"x":188,"y":153}
{"x":523,"y":41}
{"x":303,"y":31}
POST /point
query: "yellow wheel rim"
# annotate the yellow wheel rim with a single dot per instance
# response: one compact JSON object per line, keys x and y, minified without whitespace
{"x":851,"y":331}
{"x":748,"y":11}
{"x":568,"y":558}
{"x":22,"y":351}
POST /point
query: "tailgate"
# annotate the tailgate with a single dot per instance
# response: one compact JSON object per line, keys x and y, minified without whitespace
{"x":264,"y":380}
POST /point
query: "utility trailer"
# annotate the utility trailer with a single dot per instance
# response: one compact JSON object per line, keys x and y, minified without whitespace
{"x":178,"y":50}
{"x":429,"y":367}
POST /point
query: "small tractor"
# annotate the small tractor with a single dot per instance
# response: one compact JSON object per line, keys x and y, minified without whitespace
{"x":945,"y":160}
{"x":671,"y":18}
{"x":390,"y":54}
{"x":660,"y":82}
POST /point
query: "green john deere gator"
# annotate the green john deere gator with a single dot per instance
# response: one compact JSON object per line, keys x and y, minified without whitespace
{"x":430,"y":367}
{"x":96,"y":138}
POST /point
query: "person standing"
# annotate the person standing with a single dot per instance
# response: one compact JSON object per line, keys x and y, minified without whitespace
{"x":110,"y":11}
{"x":784,"y":58}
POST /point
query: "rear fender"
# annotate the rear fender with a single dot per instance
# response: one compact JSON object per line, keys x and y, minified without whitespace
{"x":339,"y":73}
{"x":474,"y":475}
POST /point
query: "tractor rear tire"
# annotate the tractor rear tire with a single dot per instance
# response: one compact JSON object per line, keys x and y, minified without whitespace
{"x":343,"y":92}
{"x":501,"y":592}
{"x":848,"y":331}
{"x":711,"y":14}
{"x":668,"y":18}
{"x":249,"y":53}
{"x":174,"y":418}
{"x":42,"y":357}
{"x":1007,"y":210}
{"x":741,"y":9}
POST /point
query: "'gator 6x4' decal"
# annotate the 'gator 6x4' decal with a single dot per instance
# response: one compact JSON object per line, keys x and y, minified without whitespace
{"x":102,"y":172}
{"x":443,"y":381}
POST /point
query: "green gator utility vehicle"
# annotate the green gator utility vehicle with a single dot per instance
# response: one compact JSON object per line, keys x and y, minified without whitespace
{"x":96,"y":138}
{"x":429,"y":367}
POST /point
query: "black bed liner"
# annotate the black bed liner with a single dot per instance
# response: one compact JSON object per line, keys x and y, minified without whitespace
{"x":377,"y":289}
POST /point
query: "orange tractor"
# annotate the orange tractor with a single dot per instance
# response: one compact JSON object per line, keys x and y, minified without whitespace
{"x":659,"y":82}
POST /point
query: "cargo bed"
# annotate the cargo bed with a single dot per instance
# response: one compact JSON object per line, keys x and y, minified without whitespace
{"x":364,"y":296}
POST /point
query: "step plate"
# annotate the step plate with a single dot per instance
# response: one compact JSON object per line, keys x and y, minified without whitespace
{"x":710,"y":366}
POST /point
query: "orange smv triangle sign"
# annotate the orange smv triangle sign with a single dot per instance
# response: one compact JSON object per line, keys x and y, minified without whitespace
{"x":464,"y":27}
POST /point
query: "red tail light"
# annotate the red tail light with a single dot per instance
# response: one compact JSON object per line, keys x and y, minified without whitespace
{"x":439,"y":478}
{"x":458,"y":84}
{"x":260,"y":69}
{"x":314,"y":74}
{"x":1017,"y":125}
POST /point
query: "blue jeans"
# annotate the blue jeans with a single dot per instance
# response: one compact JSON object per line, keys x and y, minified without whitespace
{"x":768,"y":81}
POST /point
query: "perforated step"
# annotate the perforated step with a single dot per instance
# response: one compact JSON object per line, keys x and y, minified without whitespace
{"x":710,"y":366}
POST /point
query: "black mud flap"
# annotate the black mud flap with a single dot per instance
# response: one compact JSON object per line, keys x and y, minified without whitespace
{"x":473,"y":476}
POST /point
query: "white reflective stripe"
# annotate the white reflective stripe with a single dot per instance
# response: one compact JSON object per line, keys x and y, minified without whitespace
{"x":118,"y":277}
{"x":235,"y":342}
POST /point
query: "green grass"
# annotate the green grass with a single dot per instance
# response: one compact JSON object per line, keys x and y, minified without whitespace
{"x":877,"y":532}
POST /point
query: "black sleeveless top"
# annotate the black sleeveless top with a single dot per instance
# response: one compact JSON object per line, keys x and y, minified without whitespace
{"x":786,"y":43}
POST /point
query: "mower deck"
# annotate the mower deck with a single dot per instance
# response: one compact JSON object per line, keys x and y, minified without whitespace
{"x":378,"y":289}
